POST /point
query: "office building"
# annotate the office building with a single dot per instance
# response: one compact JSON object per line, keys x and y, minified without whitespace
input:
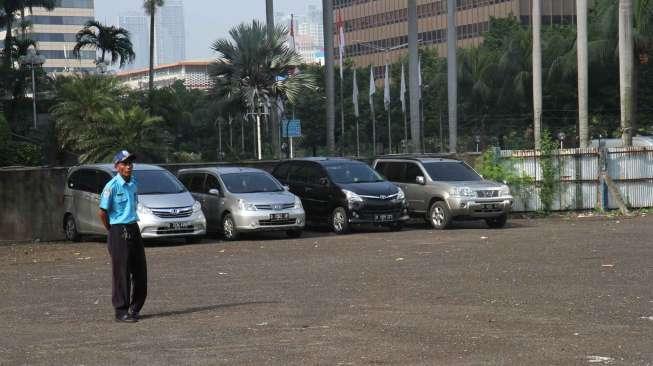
{"x":376,"y":31}
{"x":55,"y":33}
{"x":170,"y":33}
{"x":194,"y":74}
{"x":308,"y":33}
{"x":138,"y":26}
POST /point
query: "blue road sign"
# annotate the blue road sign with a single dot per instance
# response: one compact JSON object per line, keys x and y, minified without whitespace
{"x":291,"y":128}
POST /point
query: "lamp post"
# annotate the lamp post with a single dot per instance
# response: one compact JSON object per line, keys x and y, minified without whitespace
{"x":258,"y":115}
{"x":561,"y":137}
{"x":32,"y":59}
{"x":477,"y":140}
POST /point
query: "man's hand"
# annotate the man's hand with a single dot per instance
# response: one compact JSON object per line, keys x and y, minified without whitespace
{"x":104,"y":218}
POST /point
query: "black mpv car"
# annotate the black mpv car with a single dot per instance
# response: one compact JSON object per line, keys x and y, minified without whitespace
{"x":344,"y":192}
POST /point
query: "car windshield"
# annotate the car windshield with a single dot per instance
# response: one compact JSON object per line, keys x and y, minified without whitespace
{"x":346,"y":173}
{"x":157,"y":182}
{"x":451,"y":172}
{"x":252,"y":182}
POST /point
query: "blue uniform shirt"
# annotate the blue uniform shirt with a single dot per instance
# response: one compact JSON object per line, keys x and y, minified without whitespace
{"x":119,"y":199}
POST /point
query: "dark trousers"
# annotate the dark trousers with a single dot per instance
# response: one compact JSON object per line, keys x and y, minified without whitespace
{"x":128,"y":268}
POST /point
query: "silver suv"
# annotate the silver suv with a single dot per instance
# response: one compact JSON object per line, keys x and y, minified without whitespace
{"x":165,"y":208}
{"x":237,"y":200}
{"x":444,"y":189}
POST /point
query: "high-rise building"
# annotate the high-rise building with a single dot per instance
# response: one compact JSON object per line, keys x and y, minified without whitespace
{"x":170,"y":32}
{"x":138,"y":26}
{"x":376,"y":31}
{"x":55,"y":33}
{"x":308,"y":33}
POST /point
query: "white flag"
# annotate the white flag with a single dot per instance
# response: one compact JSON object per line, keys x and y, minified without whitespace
{"x":419,"y":78}
{"x":386,"y":89}
{"x":354,"y":97}
{"x":402,"y":90}
{"x":372,"y":85}
{"x":341,"y":42}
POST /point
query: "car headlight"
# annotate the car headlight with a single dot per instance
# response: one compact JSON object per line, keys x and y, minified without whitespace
{"x":298,"y":202}
{"x":197,"y":206}
{"x":143,"y":210}
{"x":352,"y":197}
{"x":246,"y":206}
{"x":400,"y":194}
{"x":462,"y":192}
{"x":505,"y":191}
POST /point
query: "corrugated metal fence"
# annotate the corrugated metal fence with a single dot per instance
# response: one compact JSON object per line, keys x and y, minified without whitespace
{"x":580,"y":187}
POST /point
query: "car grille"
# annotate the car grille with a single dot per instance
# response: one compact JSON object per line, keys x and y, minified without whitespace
{"x":487,"y":193}
{"x":171,"y":213}
{"x":277,"y":222}
{"x":167,"y":230}
{"x":380,"y":198}
{"x":276,"y":207}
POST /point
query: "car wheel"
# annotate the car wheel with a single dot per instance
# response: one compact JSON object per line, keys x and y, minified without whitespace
{"x":340,"y":221}
{"x":497,"y":222}
{"x":294,"y":233}
{"x":229,"y":230}
{"x":70,"y":229}
{"x":439,"y":215}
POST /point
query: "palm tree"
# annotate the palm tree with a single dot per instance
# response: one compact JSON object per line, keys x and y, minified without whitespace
{"x":106,"y":39}
{"x":537,"y":72}
{"x":10,"y":9}
{"x":150,"y":8}
{"x":254,"y":69}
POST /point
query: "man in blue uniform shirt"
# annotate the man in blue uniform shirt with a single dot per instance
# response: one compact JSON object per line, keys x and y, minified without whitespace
{"x":128,"y":266}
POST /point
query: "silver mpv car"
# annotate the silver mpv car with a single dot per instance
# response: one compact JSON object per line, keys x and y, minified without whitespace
{"x":165,"y":208}
{"x":445,"y":189}
{"x":237,"y":200}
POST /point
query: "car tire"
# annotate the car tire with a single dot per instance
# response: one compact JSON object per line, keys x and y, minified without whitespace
{"x":497,"y":222}
{"x":294,"y":233}
{"x":439,"y":215}
{"x":229,"y":231}
{"x":70,"y":229}
{"x":340,"y":221}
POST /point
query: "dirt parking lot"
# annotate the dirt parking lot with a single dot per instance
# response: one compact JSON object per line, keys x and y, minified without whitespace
{"x":540,"y":292}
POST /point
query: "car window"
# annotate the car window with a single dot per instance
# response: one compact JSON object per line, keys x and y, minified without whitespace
{"x":185,"y":179}
{"x":102,"y":178}
{"x":83,"y":180}
{"x":281,"y":171}
{"x":157,"y":182}
{"x":299,"y":174}
{"x":412,"y":172}
{"x":451,"y":171}
{"x":250,"y":182}
{"x":394,"y":171}
{"x":313,"y":174}
{"x":211,"y":183}
{"x":346,"y":173}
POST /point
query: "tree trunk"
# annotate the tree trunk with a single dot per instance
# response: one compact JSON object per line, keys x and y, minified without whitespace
{"x":537,"y":72}
{"x":626,"y":69}
{"x":581,"y":42}
{"x":452,"y":75}
{"x":327,"y":14}
{"x":274,"y":116}
{"x":151,"y":73}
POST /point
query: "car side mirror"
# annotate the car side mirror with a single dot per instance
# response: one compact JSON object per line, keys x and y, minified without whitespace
{"x":420,"y":180}
{"x":214,"y":192}
{"x":324,"y":182}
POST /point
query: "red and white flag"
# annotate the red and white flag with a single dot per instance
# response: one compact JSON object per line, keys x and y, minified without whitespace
{"x":341,"y":41}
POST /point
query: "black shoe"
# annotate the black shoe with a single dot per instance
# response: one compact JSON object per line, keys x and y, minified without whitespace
{"x":125,"y":318}
{"x":135,"y":315}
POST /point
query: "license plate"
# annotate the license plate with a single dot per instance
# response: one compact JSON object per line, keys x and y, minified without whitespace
{"x":490,"y":206}
{"x":383,"y":217}
{"x":177,"y":225}
{"x":278,"y":216}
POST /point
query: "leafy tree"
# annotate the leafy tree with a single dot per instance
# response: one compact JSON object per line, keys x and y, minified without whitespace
{"x":106,"y":39}
{"x":11,"y":8}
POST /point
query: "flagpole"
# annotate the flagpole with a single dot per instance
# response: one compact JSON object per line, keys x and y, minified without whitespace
{"x":354,"y":100}
{"x":342,"y":119}
{"x":341,"y":48}
{"x":386,"y":104}
{"x":371,"y":94}
{"x":402,"y":96}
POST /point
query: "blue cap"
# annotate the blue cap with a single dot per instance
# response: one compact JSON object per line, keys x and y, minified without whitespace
{"x":122,"y":156}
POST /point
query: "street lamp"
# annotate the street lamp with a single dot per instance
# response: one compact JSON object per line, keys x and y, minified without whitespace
{"x":477,"y":140}
{"x":32,"y":59}
{"x":561,"y":137}
{"x":258,"y":115}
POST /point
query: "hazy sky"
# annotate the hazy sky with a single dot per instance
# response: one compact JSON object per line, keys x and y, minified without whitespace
{"x":206,"y":20}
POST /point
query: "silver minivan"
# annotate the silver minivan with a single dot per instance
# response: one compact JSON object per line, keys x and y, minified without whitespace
{"x":237,"y":200}
{"x":165,"y":207}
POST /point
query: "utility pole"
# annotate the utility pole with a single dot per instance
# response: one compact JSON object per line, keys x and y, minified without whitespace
{"x":413,"y":82}
{"x":452,"y":79}
{"x":327,"y":16}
